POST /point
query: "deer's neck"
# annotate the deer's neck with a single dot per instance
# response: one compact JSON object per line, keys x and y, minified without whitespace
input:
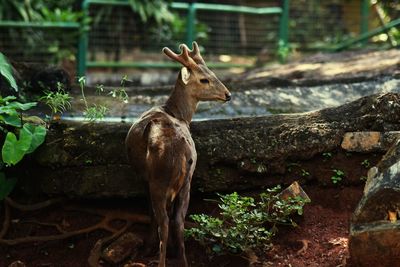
{"x":180,"y":104}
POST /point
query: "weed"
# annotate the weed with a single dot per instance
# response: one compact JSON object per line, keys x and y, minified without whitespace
{"x":58,"y":101}
{"x":338,"y":176}
{"x":304,"y":173}
{"x":98,"y":112}
{"x":327,"y":155}
{"x":365,"y":163}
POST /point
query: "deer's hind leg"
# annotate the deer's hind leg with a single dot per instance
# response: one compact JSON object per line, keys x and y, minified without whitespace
{"x":159,"y":204}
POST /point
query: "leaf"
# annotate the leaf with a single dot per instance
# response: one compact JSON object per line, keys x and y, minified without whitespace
{"x":6,"y":185}
{"x":6,"y":72}
{"x":22,"y":106}
{"x":13,"y":120}
{"x":14,"y":150}
{"x":7,"y":99}
{"x":38,"y":134}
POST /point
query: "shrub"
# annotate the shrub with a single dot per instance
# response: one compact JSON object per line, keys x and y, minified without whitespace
{"x":245,"y":224}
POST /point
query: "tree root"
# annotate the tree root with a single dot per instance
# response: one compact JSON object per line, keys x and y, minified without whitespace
{"x":104,"y":224}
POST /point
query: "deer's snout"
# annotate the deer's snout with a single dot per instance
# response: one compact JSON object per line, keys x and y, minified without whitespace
{"x":228,"y":96}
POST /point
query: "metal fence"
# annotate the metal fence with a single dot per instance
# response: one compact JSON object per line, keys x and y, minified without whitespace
{"x":118,"y":37}
{"x":39,"y":42}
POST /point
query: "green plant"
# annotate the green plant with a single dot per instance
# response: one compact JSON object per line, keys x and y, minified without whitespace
{"x":6,"y":72}
{"x":97,"y":112}
{"x":365,"y":163}
{"x":157,"y":9}
{"x":304,"y":173}
{"x":93,"y":112}
{"x":14,"y":148}
{"x":327,"y":155}
{"x":244,"y":224}
{"x":175,"y":29}
{"x":363,"y":178}
{"x":120,"y":93}
{"x":338,"y":176}
{"x":284,"y":51}
{"x":58,"y":101}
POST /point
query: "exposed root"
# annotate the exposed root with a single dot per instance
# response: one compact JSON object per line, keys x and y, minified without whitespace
{"x":6,"y":222}
{"x":32,"y":207}
{"x":95,"y":253}
{"x":104,"y":224}
{"x":304,"y":248}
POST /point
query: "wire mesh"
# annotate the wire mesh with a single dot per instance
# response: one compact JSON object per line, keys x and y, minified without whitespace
{"x":318,"y":24}
{"x":41,"y":45}
{"x":117,"y":33}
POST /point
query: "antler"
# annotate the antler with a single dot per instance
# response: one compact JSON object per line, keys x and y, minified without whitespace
{"x":183,"y":57}
{"x":195,"y":54}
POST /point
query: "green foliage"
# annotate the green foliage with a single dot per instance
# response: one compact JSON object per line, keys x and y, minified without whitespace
{"x":283,"y":51}
{"x":6,"y":72}
{"x":30,"y":137}
{"x":6,"y":185}
{"x":20,"y":10}
{"x":337,"y":176}
{"x":95,"y":112}
{"x":20,"y":138}
{"x":10,"y":111}
{"x":175,"y":29}
{"x":58,"y":101}
{"x":304,"y":173}
{"x":244,"y":224}
{"x":365,"y":163}
{"x":157,"y":9}
{"x":327,"y":155}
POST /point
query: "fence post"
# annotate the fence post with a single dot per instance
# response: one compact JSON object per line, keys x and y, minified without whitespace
{"x":364,"y":9}
{"x":190,"y":27}
{"x":283,"y":44}
{"x":83,"y":42}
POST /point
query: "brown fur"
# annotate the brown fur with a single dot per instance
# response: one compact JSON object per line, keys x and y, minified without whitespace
{"x":160,"y":147}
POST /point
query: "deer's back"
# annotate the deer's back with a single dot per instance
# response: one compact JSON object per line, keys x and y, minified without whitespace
{"x":156,"y":140}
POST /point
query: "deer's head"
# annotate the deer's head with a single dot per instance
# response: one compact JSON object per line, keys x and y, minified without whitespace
{"x":197,"y":79}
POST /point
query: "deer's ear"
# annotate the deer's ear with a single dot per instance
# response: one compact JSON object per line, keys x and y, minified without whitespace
{"x":185,"y":75}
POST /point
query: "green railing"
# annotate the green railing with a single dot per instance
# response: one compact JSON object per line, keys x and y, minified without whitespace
{"x":366,"y":35}
{"x":39,"y":24}
{"x":191,"y":8}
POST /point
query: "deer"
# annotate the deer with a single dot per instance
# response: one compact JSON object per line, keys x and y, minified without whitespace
{"x":160,"y":147}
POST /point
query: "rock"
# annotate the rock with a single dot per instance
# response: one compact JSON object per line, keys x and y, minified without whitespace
{"x":375,"y":229}
{"x":89,"y":160}
{"x":365,"y":142}
{"x":361,"y":141}
{"x":125,"y":246}
{"x":375,"y":244}
{"x":294,"y":190}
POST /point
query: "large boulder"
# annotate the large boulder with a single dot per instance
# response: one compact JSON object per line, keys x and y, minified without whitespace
{"x":89,"y":160}
{"x":375,"y":229}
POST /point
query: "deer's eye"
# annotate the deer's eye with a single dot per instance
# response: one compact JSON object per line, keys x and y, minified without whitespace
{"x":204,"y":81}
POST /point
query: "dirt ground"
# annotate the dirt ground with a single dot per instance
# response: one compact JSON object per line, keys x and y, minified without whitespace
{"x":319,"y":240}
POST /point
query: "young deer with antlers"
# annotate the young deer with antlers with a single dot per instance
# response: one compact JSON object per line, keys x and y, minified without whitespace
{"x":160,"y":146}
